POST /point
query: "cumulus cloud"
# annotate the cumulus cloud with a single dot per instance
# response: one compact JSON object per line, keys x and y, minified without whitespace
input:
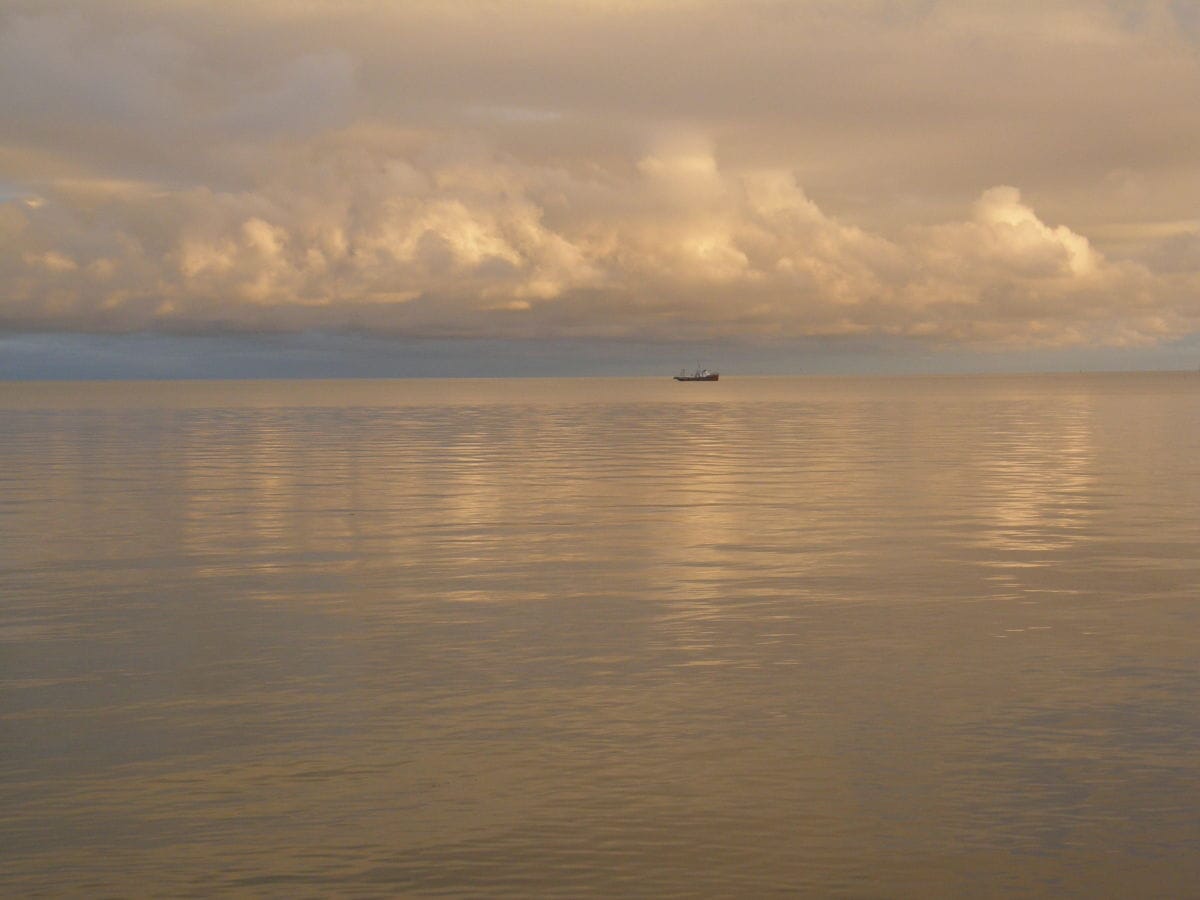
{"x":678,"y":170}
{"x":680,"y":248}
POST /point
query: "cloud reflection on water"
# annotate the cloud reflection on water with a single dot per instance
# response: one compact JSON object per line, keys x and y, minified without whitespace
{"x":784,"y":633}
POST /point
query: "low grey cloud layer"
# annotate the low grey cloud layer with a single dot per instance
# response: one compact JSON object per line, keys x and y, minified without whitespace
{"x":1000,"y":175}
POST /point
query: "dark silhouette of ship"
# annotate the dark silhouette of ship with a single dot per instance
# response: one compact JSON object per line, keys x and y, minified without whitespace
{"x":698,"y":375}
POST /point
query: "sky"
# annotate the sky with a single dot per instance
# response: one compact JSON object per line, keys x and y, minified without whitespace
{"x":537,"y":187}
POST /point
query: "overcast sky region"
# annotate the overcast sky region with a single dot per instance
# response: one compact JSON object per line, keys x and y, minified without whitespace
{"x":325,"y":187}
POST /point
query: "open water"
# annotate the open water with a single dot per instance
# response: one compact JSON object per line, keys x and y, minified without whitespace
{"x":917,"y":637}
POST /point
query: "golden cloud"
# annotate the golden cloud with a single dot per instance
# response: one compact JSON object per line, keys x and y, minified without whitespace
{"x":534,"y":169}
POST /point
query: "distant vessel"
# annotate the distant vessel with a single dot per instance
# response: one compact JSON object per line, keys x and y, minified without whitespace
{"x":698,"y":375}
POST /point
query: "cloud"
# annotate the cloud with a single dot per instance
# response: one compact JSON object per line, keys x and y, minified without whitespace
{"x":54,"y":69}
{"x":680,"y":248}
{"x":304,"y":95}
{"x":681,"y":170}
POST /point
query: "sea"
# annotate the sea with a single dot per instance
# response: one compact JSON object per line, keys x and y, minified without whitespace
{"x":607,"y":637}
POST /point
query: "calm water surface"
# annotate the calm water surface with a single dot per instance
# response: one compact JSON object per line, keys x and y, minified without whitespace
{"x":861,"y":638}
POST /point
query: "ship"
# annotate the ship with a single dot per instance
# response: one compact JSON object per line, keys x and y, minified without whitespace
{"x":698,"y":375}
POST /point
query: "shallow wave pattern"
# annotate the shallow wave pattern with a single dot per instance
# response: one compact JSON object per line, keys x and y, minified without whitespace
{"x":927,"y":637}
